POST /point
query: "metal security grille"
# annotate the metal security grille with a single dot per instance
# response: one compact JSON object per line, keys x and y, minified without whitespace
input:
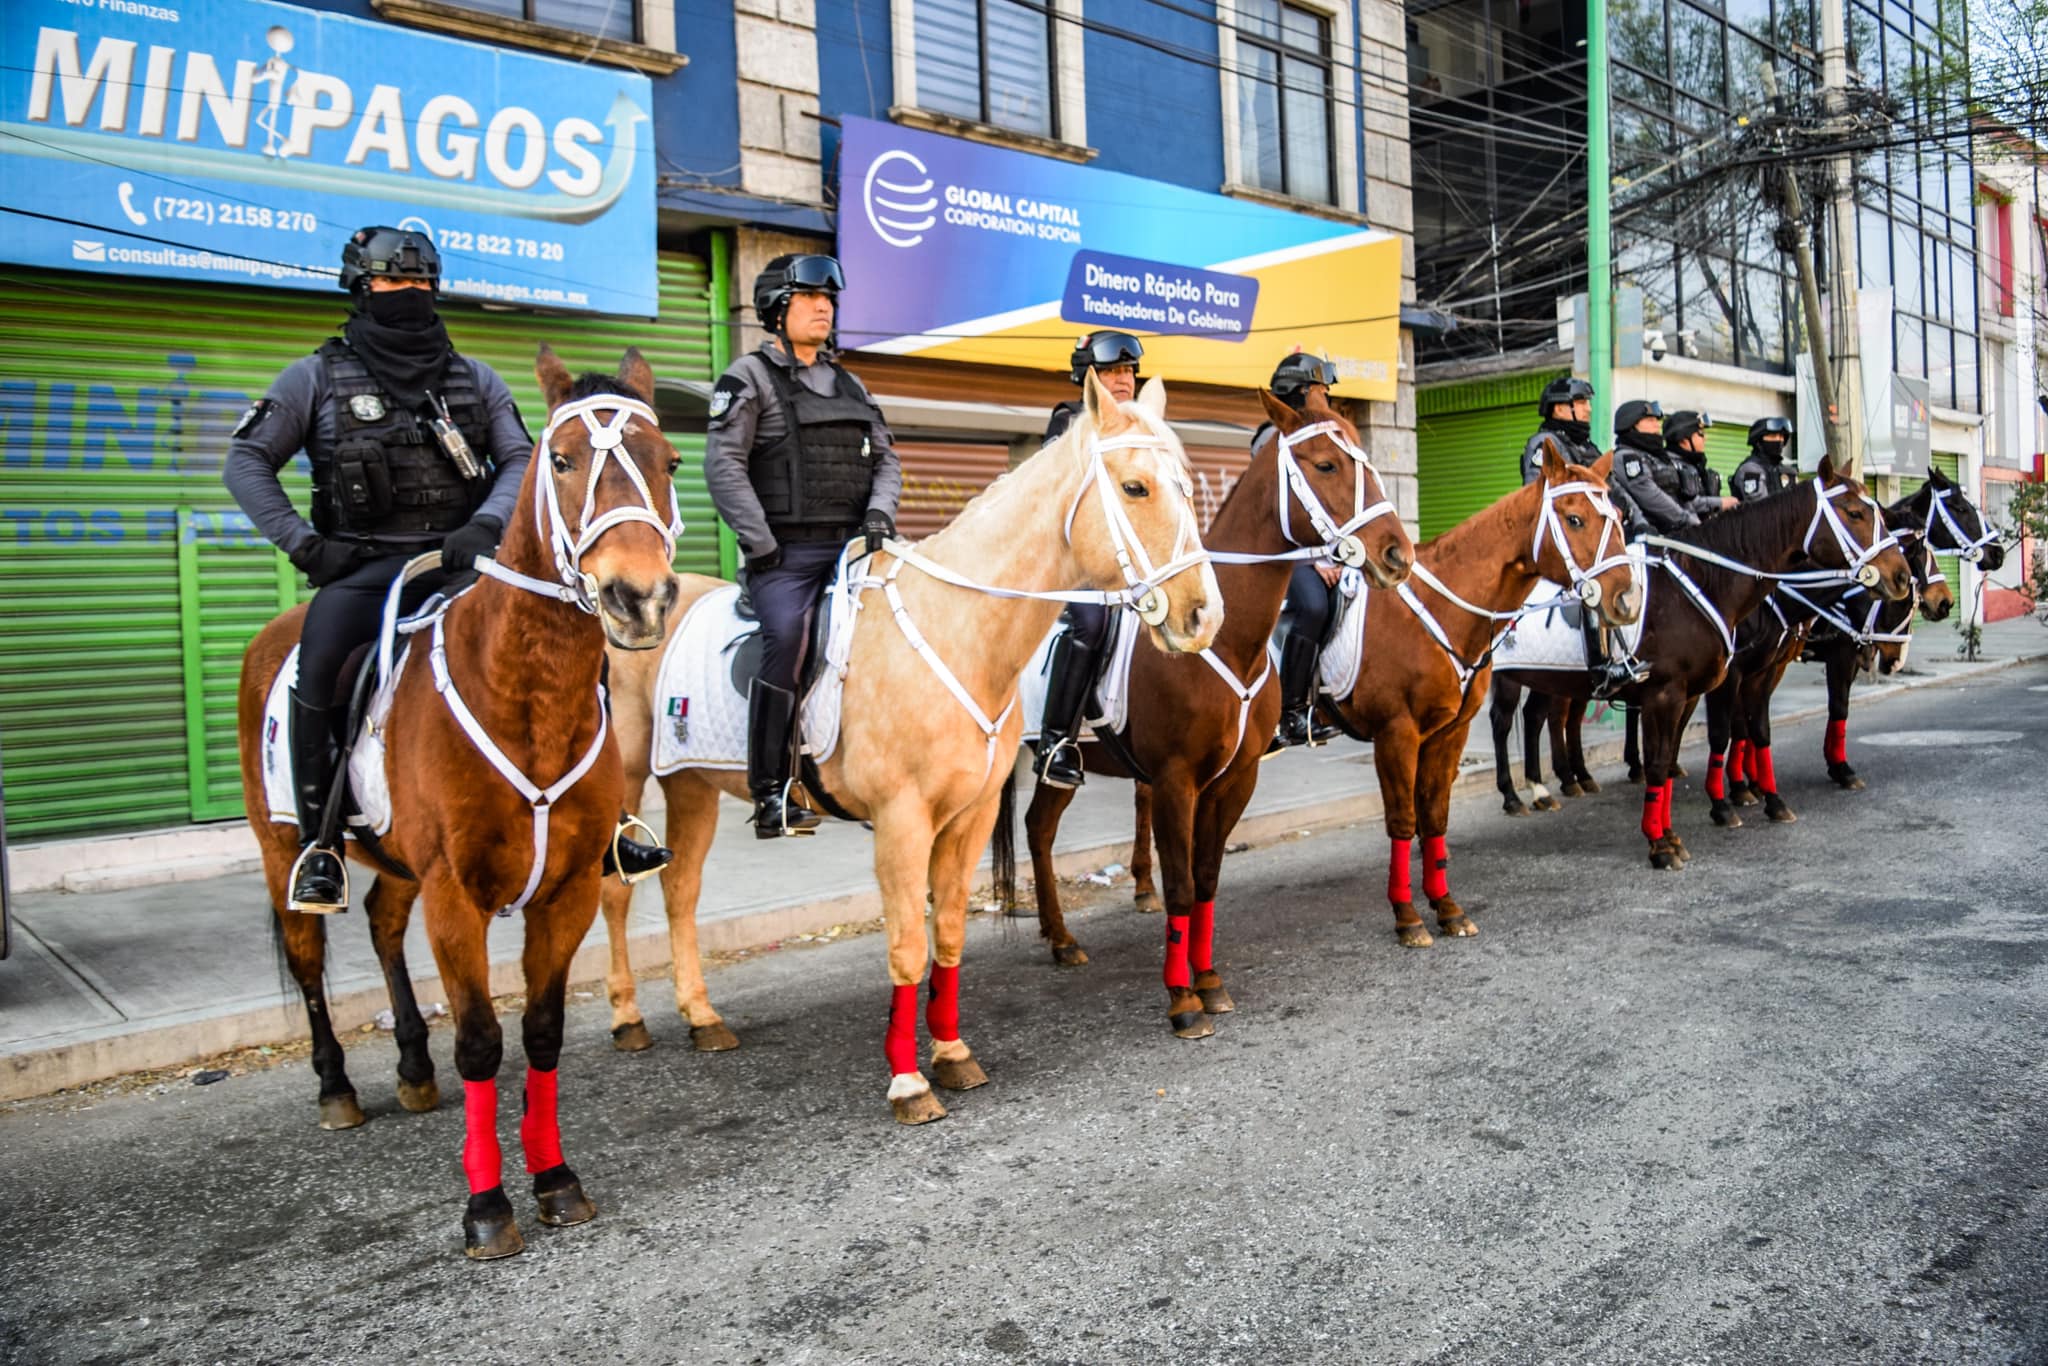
{"x":129,"y":582}
{"x":1468,"y":445}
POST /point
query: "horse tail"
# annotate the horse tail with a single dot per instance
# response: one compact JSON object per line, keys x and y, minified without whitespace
{"x":1003,"y":849}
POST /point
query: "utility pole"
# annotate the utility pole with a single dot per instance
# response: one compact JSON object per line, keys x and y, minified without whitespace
{"x":1847,"y":412}
{"x":1599,"y":227}
{"x":1792,"y":240}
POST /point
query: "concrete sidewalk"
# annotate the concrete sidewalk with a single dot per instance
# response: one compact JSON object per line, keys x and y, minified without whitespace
{"x":132,"y":977}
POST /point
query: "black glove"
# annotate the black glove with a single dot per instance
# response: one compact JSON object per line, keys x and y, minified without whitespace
{"x":878,"y":528}
{"x":479,"y":536}
{"x":326,"y":560}
{"x":761,"y":564}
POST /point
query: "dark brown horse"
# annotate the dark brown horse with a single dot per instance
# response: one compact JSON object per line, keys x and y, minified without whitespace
{"x":586,"y":558}
{"x":1205,"y":722}
{"x":1428,"y":646}
{"x":1703,"y":582}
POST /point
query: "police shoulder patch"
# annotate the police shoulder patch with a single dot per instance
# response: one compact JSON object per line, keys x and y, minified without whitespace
{"x":253,"y":417}
{"x":728,"y":388}
{"x":1751,"y":483}
{"x":1632,"y":466}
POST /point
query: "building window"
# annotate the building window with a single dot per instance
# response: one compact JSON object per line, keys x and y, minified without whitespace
{"x":616,"y":19}
{"x":1996,"y":234}
{"x":991,"y":61}
{"x":1285,"y":100}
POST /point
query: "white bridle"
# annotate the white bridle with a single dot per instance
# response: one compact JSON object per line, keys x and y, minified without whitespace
{"x":1585,"y":580}
{"x":1142,"y":589}
{"x":1340,"y":539}
{"x":1970,"y":548}
{"x":1858,"y":557}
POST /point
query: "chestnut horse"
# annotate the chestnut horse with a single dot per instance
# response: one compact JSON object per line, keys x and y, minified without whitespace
{"x":1702,"y":582}
{"x":919,"y":757}
{"x":1197,"y":741}
{"x":1428,"y":648}
{"x":510,"y":687}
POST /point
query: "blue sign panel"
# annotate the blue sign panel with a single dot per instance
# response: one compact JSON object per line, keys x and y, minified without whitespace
{"x":1157,"y":296}
{"x":243,"y":143}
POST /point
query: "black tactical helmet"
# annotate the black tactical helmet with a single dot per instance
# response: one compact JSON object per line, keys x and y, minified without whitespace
{"x":397,"y":252}
{"x":1294,"y":374}
{"x":1767,"y":427}
{"x":787,"y":275}
{"x":1635,"y":410}
{"x":1563,"y":389}
{"x":1102,"y":351}
{"x":1683,"y":423}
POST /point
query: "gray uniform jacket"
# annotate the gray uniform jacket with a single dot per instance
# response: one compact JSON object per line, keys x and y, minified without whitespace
{"x":297,"y":415}
{"x":1634,"y":475}
{"x":1532,"y":452}
{"x":746,"y":413}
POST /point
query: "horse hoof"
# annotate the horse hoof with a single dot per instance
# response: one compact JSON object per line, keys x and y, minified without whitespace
{"x":713,"y":1038}
{"x":1663,"y":857}
{"x":963,"y":1074}
{"x":632,"y":1037}
{"x":1589,"y":787}
{"x":1635,"y":773}
{"x":1069,"y":955}
{"x":1215,"y":998}
{"x":1513,"y":806}
{"x":1148,"y":903}
{"x":561,"y":1199}
{"x":1779,"y":812}
{"x":419,"y":1097}
{"x":1190,"y":1024}
{"x":1413,"y":936}
{"x":488,"y":1229}
{"x":921,"y":1108}
{"x":1678,"y":846}
{"x":1744,"y":798}
{"x":1458,"y":926}
{"x":1569,"y":790}
{"x":340,"y":1112}
{"x":1724,"y":816}
{"x":1548,"y":803}
{"x":1676,"y":770}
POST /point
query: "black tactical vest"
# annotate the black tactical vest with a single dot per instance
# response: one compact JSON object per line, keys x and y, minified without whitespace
{"x":1573,"y":452}
{"x":386,"y":476}
{"x":821,"y":471}
{"x":1758,"y":477}
{"x":1695,"y":480}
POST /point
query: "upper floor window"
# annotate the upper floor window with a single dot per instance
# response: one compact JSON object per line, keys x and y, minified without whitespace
{"x":991,"y":61}
{"x":1285,"y":100}
{"x":604,"y":18}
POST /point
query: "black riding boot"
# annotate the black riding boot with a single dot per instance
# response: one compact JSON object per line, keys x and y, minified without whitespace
{"x":771,"y":721}
{"x":1609,"y":675}
{"x":627,"y":859}
{"x":1067,"y":690}
{"x":1300,"y":659}
{"x":319,"y":879}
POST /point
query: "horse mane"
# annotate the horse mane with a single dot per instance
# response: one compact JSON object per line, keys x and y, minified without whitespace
{"x":596,"y":384}
{"x":1487,"y":519}
{"x":1753,"y":532}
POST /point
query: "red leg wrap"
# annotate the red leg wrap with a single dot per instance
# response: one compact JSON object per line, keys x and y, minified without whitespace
{"x":1838,"y":742}
{"x":1399,"y":888}
{"x":1766,"y":773}
{"x":1202,"y":937}
{"x":1738,"y":762}
{"x":480,"y":1160}
{"x":1436,"y":868}
{"x":1177,"y":951}
{"x":942,"y":1007}
{"x":1717,"y":782}
{"x":1664,"y":808}
{"x":899,"y":1045}
{"x":1653,"y":814}
{"x":539,"y":1132}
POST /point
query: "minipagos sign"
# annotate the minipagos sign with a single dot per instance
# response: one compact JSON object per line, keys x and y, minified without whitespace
{"x":243,"y":142}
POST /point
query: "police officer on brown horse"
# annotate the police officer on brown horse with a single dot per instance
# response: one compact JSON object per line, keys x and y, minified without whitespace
{"x":799,"y":461}
{"x":1310,"y":607}
{"x":1765,"y":472}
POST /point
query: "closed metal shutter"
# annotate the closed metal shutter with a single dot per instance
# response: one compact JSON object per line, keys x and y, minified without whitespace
{"x":940,"y":477}
{"x":1468,"y":445}
{"x":1951,"y":464}
{"x":129,"y":581}
{"x":1217,"y":470}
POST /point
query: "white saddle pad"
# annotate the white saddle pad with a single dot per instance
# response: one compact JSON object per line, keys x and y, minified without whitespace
{"x":700,"y":718}
{"x":1345,"y":654}
{"x":1550,"y":640}
{"x":367,"y":779}
{"x":1112,"y":691}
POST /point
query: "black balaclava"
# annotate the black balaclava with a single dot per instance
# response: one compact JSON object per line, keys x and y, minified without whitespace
{"x":1773,"y":451}
{"x":1651,"y":443}
{"x":1573,"y":430}
{"x":400,"y":338}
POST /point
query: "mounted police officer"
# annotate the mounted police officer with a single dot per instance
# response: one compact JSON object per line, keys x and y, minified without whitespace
{"x":798,"y":461}
{"x":1764,"y":472}
{"x":1077,"y":653}
{"x":1699,"y":484}
{"x":1647,"y":474}
{"x":1309,"y":608}
{"x":1566,"y":407}
{"x":413,"y":448}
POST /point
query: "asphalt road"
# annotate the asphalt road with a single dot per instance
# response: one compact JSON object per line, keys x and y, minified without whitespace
{"x":1786,"y":1105}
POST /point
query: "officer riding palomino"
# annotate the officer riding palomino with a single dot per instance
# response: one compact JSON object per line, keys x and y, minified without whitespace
{"x":799,"y":461}
{"x":414,"y":448}
{"x":1765,"y":472}
{"x":1566,"y":407}
{"x":1306,"y":616}
{"x":1077,"y":654}
{"x":1699,"y":484}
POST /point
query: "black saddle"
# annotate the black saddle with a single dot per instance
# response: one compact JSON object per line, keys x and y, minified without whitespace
{"x":746,"y":650}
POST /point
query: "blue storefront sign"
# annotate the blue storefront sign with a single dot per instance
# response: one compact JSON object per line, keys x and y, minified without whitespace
{"x":243,"y":142}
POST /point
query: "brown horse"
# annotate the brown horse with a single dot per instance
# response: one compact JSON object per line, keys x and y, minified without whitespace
{"x":1197,"y":741}
{"x":925,"y":760}
{"x":1428,"y":647}
{"x":516,"y":663}
{"x":1703,"y":582}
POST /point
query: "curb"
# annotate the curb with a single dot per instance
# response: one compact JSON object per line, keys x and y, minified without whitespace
{"x":171,"y":1041}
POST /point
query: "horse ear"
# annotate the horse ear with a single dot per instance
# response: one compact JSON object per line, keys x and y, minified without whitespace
{"x":1553,"y":464}
{"x":1826,"y":473}
{"x":1152,"y":398}
{"x":1604,"y":467}
{"x":553,"y":376}
{"x":636,"y":374}
{"x":1102,"y":410}
{"x":1281,"y":416}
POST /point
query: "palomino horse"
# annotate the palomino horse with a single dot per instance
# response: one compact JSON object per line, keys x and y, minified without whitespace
{"x":1428,"y":647}
{"x":1714,"y":575}
{"x":1206,"y":721}
{"x":918,"y":755}
{"x":511,"y":687}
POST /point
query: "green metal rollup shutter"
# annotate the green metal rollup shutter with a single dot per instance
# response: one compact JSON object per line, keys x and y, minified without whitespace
{"x":1951,"y":464}
{"x":129,"y":582}
{"x":1468,"y":445}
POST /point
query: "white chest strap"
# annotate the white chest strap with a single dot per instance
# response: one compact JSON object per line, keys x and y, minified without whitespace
{"x":1244,"y":694}
{"x":990,"y":727}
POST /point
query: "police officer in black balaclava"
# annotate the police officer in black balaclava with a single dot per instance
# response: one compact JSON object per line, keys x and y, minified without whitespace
{"x":1309,"y":609}
{"x":1566,"y":407}
{"x":1699,"y":484}
{"x":1764,"y":472}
